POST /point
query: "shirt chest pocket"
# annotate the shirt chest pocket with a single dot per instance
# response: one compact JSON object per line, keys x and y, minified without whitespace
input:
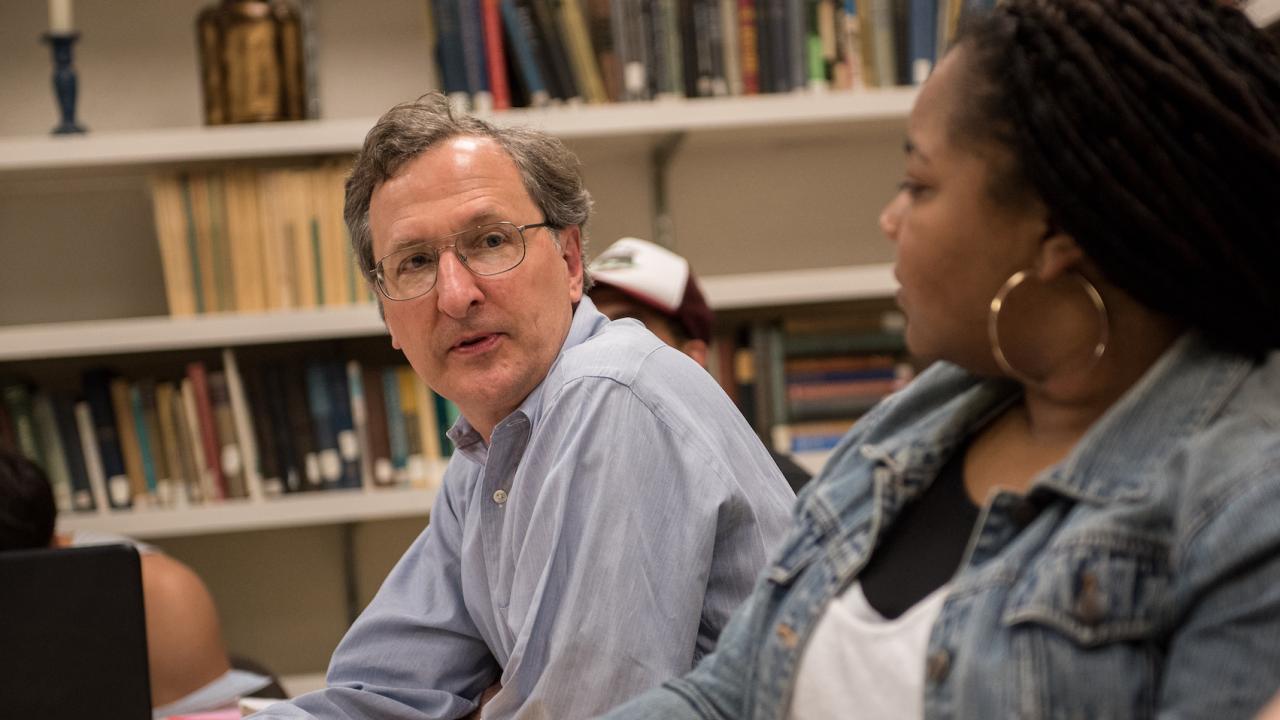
{"x":1095,"y":591}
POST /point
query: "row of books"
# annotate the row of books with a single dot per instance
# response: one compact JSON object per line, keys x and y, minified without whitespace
{"x":803,"y":382}
{"x":216,"y":433}
{"x":243,"y":239}
{"x":496,"y":54}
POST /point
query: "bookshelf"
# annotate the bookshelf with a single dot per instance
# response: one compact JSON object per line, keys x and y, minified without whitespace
{"x":150,"y":334}
{"x":228,"y":516}
{"x":773,"y":199}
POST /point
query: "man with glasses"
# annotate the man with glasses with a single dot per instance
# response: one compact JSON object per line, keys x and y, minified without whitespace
{"x":606,"y":507}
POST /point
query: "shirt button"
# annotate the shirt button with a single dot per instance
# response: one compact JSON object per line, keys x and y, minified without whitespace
{"x":500,"y":496}
{"x":1090,"y":605}
{"x":787,"y":635}
{"x":938,"y":665}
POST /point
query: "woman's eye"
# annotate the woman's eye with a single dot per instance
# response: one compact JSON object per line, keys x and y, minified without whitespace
{"x":912,"y":188}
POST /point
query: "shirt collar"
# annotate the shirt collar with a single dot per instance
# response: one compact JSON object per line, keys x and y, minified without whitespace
{"x":587,"y":321}
{"x":1181,"y":393}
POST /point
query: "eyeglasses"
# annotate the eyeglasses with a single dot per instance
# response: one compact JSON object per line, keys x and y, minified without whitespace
{"x":485,"y":250}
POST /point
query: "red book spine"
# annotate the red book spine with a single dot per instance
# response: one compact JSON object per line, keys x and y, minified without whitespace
{"x":208,"y":426}
{"x":749,"y":46}
{"x":494,"y":56}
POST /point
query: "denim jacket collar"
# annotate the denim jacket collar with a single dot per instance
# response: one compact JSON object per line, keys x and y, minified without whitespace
{"x":1194,"y":382}
{"x":518,"y":426}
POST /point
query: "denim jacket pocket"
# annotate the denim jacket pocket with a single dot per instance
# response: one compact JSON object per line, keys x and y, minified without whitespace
{"x":1094,"y":591}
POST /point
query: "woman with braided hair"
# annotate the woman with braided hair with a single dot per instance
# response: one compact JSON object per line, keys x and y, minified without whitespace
{"x":1075,"y":512}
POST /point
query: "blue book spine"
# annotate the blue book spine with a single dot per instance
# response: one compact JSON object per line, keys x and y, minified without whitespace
{"x":474,"y":64}
{"x":779,"y":46}
{"x":797,"y":44}
{"x":320,"y":405}
{"x":292,"y":470}
{"x":344,"y":424}
{"x":397,"y":434}
{"x":814,"y":443}
{"x":64,"y":417}
{"x":526,"y":62}
{"x":923,"y":39}
{"x":449,"y":54}
{"x":144,"y":438}
{"x":97,"y":393}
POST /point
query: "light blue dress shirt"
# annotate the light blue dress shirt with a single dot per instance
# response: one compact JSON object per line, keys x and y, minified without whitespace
{"x":593,"y":549}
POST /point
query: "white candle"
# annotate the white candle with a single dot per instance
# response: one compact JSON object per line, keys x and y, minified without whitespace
{"x":60,"y":16}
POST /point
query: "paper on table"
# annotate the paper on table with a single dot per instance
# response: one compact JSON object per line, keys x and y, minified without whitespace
{"x":217,"y":695}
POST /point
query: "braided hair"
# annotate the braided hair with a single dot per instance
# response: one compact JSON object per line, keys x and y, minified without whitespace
{"x":1151,"y":130}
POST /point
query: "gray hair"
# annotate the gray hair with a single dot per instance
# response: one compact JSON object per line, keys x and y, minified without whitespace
{"x":551,"y":173}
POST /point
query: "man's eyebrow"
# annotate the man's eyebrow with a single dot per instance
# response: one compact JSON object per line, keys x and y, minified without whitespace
{"x":482,"y":217}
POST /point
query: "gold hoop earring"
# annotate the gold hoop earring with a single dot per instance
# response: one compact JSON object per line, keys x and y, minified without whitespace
{"x":1000,"y":300}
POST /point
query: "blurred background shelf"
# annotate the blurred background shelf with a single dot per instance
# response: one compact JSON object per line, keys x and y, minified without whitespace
{"x":316,"y":508}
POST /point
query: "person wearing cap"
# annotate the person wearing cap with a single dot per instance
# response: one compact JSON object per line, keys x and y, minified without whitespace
{"x":606,"y":506}
{"x":637,"y":279}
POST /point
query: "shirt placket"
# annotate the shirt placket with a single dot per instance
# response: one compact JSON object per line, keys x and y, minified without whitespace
{"x":495,"y":493}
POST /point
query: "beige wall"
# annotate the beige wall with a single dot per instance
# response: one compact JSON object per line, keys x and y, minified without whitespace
{"x":281,"y":594}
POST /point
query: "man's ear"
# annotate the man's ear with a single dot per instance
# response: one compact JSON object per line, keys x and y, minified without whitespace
{"x":571,"y":252}
{"x":696,"y":349}
{"x":382,"y":315}
{"x":1058,"y":254}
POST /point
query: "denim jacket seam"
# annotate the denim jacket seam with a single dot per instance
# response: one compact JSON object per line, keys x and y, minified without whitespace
{"x":697,"y":701}
{"x":1248,"y":483}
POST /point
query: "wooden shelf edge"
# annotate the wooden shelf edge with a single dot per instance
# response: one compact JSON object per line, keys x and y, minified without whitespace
{"x":134,"y":335}
{"x":794,"y":287}
{"x":328,"y":137}
{"x":319,"y":508}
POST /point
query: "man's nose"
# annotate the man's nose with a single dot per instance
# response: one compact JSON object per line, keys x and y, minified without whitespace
{"x":456,"y":288}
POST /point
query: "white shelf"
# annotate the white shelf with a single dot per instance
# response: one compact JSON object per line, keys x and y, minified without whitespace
{"x":129,"y":335}
{"x":321,"y":137}
{"x":149,"y":334}
{"x":320,"y":508}
{"x":1263,"y":12}
{"x":795,"y":287}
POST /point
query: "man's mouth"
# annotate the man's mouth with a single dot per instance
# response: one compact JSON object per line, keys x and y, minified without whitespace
{"x":476,"y":343}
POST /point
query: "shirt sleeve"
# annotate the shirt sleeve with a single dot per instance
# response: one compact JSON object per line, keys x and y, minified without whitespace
{"x":623,"y":542}
{"x":414,"y":653}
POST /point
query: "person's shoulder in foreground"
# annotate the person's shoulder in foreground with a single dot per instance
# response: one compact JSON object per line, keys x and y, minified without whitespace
{"x":1143,"y":580}
{"x":185,"y":648}
{"x":605,"y":507}
{"x":1099,"y":429}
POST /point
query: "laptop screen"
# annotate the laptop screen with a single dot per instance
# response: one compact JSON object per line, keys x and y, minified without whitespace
{"x":73,"y":641}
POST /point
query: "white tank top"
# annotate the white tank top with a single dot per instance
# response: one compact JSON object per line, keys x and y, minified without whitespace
{"x":858,"y":664}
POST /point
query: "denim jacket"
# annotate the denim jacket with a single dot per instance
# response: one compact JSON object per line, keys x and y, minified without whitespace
{"x":1139,"y":577}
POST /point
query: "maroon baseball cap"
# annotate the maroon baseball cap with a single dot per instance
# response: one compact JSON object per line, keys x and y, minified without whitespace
{"x":658,"y":278}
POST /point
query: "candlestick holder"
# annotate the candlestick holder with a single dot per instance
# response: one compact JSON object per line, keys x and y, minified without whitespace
{"x":64,"y":81}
